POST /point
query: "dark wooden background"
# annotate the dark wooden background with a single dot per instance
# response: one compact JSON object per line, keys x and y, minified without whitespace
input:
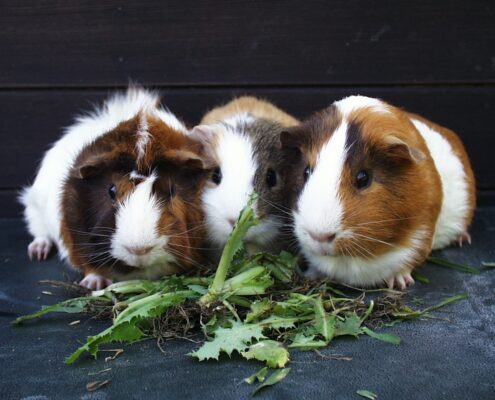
{"x":57,"y":58}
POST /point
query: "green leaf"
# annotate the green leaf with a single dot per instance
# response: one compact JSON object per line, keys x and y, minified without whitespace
{"x":449,"y":264}
{"x":258,"y":376}
{"x":246,"y":220}
{"x":488,"y":264}
{"x":270,"y":351}
{"x":273,"y":379}
{"x":384,"y":337}
{"x":306,"y":342}
{"x":258,"y":309}
{"x":324,"y":323}
{"x":238,"y":337}
{"x":350,"y":326}
{"x":420,"y":278}
{"x":71,"y":306}
{"x":367,"y":394}
{"x":124,"y":328}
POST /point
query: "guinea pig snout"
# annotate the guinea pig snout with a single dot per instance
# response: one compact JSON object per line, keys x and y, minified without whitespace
{"x":327,"y":237}
{"x":139,"y":250}
{"x":231,"y":221}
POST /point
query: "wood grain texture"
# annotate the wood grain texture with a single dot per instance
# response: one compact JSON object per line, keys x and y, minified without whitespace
{"x":196,"y":42}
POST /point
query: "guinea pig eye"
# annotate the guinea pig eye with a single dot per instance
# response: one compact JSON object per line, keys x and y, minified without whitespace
{"x":216,"y":177}
{"x":363,"y":179}
{"x":112,"y":192}
{"x":307,"y":173}
{"x":271,"y":178}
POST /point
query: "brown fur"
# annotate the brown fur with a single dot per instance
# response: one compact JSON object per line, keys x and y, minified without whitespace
{"x":406,"y":193}
{"x":257,"y":107}
{"x":88,"y":212}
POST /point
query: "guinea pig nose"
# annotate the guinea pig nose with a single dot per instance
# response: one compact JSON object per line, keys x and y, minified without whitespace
{"x":327,"y":237}
{"x":232,"y":221}
{"x":139,"y":250}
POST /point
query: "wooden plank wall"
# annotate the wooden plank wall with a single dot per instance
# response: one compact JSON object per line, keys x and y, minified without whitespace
{"x":57,"y":58}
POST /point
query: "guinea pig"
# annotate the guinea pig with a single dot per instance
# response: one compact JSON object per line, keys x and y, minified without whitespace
{"x":373,"y":189}
{"x":242,"y":137}
{"x":120,"y":193}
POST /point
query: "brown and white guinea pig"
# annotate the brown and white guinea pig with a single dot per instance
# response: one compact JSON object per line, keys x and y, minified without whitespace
{"x":242,"y":136}
{"x":119,"y":193}
{"x":373,"y":190}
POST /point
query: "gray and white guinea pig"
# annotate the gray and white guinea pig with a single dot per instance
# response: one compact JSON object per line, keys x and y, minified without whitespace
{"x":120,"y":193}
{"x":243,"y":136}
{"x":373,"y":190}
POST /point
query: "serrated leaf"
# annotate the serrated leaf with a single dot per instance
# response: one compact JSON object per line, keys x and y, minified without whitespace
{"x":71,"y":306}
{"x":236,"y":338}
{"x":384,"y":337}
{"x":324,"y":323}
{"x":270,"y":351}
{"x":367,"y":394}
{"x":306,"y":342}
{"x":258,"y":308}
{"x":350,"y":326}
{"x":124,"y":328}
{"x":258,"y":376}
{"x":273,"y":379}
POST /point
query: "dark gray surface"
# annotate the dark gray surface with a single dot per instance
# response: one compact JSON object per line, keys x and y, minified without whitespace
{"x":436,"y":360}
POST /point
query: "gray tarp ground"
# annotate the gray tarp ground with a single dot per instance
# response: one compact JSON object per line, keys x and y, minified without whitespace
{"x":436,"y":360}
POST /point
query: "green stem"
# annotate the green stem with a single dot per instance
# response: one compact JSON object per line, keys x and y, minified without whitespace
{"x":245,"y":221}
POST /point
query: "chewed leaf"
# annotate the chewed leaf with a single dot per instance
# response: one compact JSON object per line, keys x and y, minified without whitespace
{"x":350,"y":326}
{"x":384,"y":337}
{"x":258,"y":308}
{"x":72,"y":306}
{"x":367,"y":394}
{"x":273,"y":379}
{"x":270,"y":351}
{"x":124,"y":327}
{"x":226,"y":340}
{"x":258,"y":376}
{"x":305,"y":342}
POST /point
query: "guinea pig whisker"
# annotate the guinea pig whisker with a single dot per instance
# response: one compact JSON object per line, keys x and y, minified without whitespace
{"x":383,"y":220}
{"x":372,"y":239}
{"x":280,"y":208}
{"x":178,"y":253}
{"x":359,"y":248}
{"x":197,"y":248}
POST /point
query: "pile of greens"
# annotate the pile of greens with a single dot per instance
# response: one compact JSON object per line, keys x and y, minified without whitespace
{"x":255,"y":306}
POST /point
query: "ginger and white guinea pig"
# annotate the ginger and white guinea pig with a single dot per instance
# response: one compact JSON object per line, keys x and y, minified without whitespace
{"x":373,"y":190}
{"x":242,"y":136}
{"x":120,"y":193}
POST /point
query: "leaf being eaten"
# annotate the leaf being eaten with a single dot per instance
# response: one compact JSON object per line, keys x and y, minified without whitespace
{"x":270,"y":351}
{"x":274,"y":378}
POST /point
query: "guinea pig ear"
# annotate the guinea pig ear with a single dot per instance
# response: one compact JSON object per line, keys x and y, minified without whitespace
{"x":88,"y":168}
{"x":185,"y":159}
{"x":397,"y":148}
{"x":289,"y":138}
{"x":204,"y":135}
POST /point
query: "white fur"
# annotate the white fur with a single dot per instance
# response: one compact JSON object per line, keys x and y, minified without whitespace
{"x":136,"y":225}
{"x":455,"y":205}
{"x":224,"y":202}
{"x":319,"y":211}
{"x":315,"y":215}
{"x":359,"y":271}
{"x":42,"y":200}
{"x":352,"y":103}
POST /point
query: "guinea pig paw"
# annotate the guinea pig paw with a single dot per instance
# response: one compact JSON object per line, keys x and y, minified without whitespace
{"x":400,"y":281}
{"x":39,"y":248}
{"x":95,"y":282}
{"x":464,"y":237}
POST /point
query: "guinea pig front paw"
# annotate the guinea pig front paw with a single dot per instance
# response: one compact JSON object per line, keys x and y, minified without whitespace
{"x":464,"y":237}
{"x":95,"y":282}
{"x":39,"y":248}
{"x":400,"y":281}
